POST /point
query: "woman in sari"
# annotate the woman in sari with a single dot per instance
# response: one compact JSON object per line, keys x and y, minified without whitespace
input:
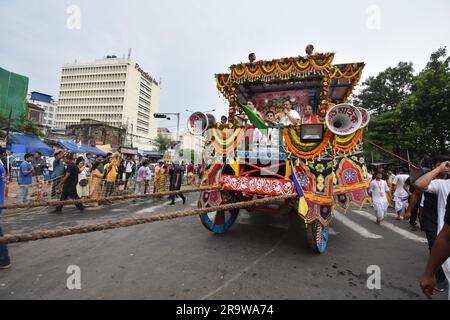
{"x":95,"y":182}
{"x":161,"y":182}
{"x":83,"y":183}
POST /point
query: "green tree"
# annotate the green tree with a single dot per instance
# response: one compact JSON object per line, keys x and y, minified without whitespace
{"x":426,"y":112}
{"x":187,"y":154}
{"x":409,"y":112}
{"x":163,"y":142}
{"x":385,"y":91}
{"x":27,"y":127}
{"x":4,"y":124}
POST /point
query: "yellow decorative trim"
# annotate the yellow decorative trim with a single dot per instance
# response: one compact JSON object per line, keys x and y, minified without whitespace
{"x":350,"y":188}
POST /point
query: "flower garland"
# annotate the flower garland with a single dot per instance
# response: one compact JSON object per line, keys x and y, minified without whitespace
{"x":347,"y":71}
{"x":284,"y":68}
{"x":318,"y":65}
{"x":225,"y":141}
{"x":305,"y":150}
{"x":324,"y":100}
{"x":347,"y":143}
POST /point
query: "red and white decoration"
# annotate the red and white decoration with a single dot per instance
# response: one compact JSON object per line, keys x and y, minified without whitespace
{"x":261,"y":186}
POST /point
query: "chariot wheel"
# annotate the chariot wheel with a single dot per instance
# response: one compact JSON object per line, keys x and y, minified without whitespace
{"x":317,"y":236}
{"x":219,"y":221}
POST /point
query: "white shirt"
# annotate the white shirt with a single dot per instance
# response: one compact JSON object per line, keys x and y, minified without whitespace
{"x":286,"y":121}
{"x":128,"y":166}
{"x":441,"y":188}
{"x":379,"y":190}
{"x":50,"y":163}
{"x":399,"y":182}
{"x":149,"y":174}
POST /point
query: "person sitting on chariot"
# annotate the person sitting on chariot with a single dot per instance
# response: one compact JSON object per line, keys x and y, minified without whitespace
{"x":270,"y":118}
{"x":309,"y":117}
{"x":223,"y":120}
{"x":288,"y":117}
{"x":239,"y":120}
{"x":309,"y":50}
{"x":251,"y":104}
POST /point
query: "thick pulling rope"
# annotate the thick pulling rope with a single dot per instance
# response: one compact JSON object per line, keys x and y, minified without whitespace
{"x":393,"y":154}
{"x":57,"y":233}
{"x":114,"y":198}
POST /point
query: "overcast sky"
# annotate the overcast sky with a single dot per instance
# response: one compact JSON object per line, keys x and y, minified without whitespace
{"x":185,"y":42}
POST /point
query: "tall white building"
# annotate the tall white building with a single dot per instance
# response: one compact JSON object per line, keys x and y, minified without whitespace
{"x":112,"y":90}
{"x":50,"y":106}
{"x":191,"y":143}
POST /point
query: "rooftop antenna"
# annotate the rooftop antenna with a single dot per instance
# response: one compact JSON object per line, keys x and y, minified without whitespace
{"x":129,"y":54}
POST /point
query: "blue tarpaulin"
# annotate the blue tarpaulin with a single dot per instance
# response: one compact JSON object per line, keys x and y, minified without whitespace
{"x":73,"y":147}
{"x":32,"y":144}
{"x":18,"y":148}
{"x":94,"y":150}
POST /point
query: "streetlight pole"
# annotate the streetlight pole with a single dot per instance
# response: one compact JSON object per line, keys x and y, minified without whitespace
{"x":178,"y":127}
{"x":164,"y":116}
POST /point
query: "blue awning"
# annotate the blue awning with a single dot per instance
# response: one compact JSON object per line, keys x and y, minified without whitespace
{"x":73,"y":147}
{"x":32,"y":144}
{"x":18,"y":148}
{"x":94,"y":150}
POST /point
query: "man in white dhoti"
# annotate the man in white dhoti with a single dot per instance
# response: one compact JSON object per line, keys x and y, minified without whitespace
{"x":379,"y":190}
{"x":401,"y":197}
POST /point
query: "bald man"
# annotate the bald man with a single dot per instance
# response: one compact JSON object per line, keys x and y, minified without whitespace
{"x":309,"y":117}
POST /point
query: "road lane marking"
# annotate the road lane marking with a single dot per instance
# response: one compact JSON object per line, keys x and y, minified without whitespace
{"x":333,"y":232}
{"x":404,"y":233}
{"x":153,"y":208}
{"x":245,"y":270}
{"x":355,"y":227}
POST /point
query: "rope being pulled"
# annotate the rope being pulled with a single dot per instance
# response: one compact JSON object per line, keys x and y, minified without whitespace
{"x":113,"y":198}
{"x":393,"y":154}
{"x":57,"y":233}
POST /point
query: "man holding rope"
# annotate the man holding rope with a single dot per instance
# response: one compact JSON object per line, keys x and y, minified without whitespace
{"x":69,"y":184}
{"x":440,"y":187}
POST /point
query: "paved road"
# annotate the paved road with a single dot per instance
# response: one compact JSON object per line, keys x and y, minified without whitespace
{"x":264,"y":256}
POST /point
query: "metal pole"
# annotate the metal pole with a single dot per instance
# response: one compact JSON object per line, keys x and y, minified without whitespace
{"x":409,"y":160}
{"x":178,"y":127}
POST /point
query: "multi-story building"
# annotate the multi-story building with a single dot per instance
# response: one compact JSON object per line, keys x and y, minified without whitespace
{"x":49,"y":105}
{"x":166,"y":132}
{"x":192,"y":147}
{"x":112,"y":90}
{"x":35,"y":114}
{"x":92,"y":132}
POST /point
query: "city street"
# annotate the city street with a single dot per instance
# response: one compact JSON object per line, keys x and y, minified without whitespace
{"x":263,"y":256}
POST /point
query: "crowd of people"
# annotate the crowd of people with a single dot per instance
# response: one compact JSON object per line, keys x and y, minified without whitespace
{"x":427,"y":201}
{"x":273,"y":116}
{"x":72,"y":176}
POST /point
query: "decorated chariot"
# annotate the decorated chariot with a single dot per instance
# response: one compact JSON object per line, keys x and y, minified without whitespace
{"x":250,"y":157}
